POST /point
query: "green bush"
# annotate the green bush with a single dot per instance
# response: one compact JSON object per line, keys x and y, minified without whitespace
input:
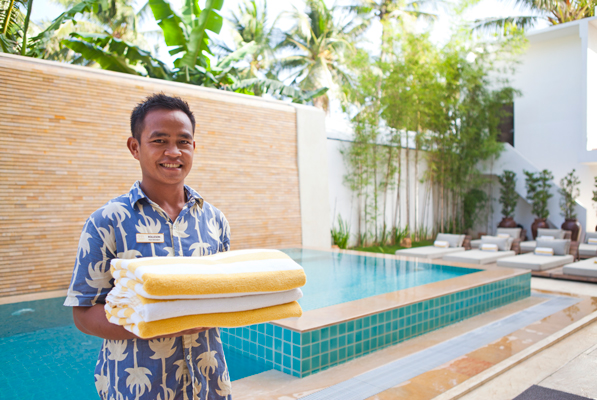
{"x":341,"y":234}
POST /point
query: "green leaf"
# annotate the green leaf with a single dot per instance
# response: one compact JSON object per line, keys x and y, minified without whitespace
{"x":93,"y":52}
{"x":84,"y":6}
{"x":197,"y":43}
{"x":170,"y":22}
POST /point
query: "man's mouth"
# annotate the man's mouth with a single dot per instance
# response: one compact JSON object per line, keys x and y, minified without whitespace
{"x":171,"y":165}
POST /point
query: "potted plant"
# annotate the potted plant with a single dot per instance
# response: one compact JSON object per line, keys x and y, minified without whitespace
{"x":570,"y":192}
{"x":538,"y":185}
{"x":508,"y":198}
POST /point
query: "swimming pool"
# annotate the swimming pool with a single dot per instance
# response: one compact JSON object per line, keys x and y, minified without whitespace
{"x":353,"y":305}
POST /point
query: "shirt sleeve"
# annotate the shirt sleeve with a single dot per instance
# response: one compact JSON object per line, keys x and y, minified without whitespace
{"x":225,"y":237}
{"x":91,"y":280}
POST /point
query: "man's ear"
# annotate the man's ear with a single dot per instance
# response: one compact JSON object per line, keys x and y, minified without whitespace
{"x":133,"y":145}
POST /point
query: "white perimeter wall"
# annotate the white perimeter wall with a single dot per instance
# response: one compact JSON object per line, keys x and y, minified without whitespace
{"x":344,"y":202}
{"x":550,"y":118}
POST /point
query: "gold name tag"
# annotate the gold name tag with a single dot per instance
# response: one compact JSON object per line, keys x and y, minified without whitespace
{"x":150,"y":238}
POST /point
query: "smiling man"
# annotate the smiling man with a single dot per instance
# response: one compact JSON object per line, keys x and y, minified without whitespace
{"x":160,"y":216}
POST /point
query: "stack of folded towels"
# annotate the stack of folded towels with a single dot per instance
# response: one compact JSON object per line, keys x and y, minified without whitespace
{"x":156,"y":296}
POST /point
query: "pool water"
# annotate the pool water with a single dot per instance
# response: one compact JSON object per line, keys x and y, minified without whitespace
{"x":335,"y":278}
{"x":44,"y":355}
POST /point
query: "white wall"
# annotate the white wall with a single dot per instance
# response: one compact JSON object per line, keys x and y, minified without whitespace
{"x":550,"y":118}
{"x":313,"y":179}
{"x":343,"y":201}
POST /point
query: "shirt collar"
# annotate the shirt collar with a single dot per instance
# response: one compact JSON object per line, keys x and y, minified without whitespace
{"x":136,"y":194}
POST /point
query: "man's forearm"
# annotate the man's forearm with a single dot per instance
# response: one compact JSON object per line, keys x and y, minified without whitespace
{"x":92,"y":321}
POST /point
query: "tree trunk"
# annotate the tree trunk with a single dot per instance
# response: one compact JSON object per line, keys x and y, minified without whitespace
{"x":407,"y":184}
{"x":385,"y":193}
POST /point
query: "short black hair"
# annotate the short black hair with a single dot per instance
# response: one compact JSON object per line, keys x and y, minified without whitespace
{"x":157,"y":101}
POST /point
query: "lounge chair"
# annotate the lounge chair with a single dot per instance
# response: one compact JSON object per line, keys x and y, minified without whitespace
{"x":517,"y":235}
{"x":586,"y":249}
{"x":539,"y":262}
{"x":430,"y":252}
{"x":583,"y":268}
{"x":492,"y":249}
{"x":529,"y":245}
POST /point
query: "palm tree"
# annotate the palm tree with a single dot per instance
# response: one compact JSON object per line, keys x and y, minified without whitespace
{"x":553,"y":11}
{"x":253,"y":31}
{"x":163,"y":349}
{"x":318,"y":44}
{"x":137,"y":379}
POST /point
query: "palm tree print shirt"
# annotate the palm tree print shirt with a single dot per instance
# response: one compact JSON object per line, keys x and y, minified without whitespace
{"x":186,"y":367}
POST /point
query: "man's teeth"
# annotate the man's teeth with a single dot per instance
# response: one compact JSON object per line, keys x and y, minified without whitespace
{"x":172,"y":165}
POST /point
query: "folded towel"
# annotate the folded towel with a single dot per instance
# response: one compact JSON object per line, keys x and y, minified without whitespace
{"x":228,"y":320}
{"x":441,"y":243}
{"x":592,"y":241}
{"x":139,"y":309}
{"x":503,"y":235}
{"x":544,"y":251}
{"x":241,"y":271}
{"x":489,"y":247}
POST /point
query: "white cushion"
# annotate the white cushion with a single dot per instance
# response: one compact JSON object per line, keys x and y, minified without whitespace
{"x":489,"y":247}
{"x":429,"y":252}
{"x":543,"y":251}
{"x":477,"y":256}
{"x":454,"y":240}
{"x":528,"y":246}
{"x":514,"y":233}
{"x":556,"y":233}
{"x":587,"y":250}
{"x":582,"y":268}
{"x":441,"y":243}
{"x":535,"y":262}
{"x":503,"y":244}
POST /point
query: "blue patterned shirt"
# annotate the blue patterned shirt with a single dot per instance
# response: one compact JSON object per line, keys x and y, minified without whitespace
{"x":186,"y":367}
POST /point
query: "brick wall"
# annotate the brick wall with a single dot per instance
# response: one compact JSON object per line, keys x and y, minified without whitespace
{"x":63,"y":154}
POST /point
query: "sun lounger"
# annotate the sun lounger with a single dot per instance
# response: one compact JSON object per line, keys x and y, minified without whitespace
{"x":529,"y":245}
{"x":430,"y":252}
{"x":583,"y":268}
{"x":550,"y":253}
{"x":514,"y":233}
{"x":478,"y":256}
{"x":586,"y":249}
{"x":534,"y":262}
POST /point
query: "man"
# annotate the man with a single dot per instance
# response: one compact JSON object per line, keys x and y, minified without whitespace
{"x":160,"y":216}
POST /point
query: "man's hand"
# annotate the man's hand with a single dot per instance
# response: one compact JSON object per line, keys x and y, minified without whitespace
{"x":92,"y":321}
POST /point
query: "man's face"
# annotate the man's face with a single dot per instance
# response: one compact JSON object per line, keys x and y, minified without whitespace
{"x":165,"y":150}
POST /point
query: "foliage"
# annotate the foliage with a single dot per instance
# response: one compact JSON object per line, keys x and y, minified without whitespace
{"x":318,"y":44}
{"x":341,"y":234}
{"x":554,"y":11}
{"x":391,"y":249}
{"x":12,"y":22}
{"x":570,"y":192}
{"x":594,"y":198}
{"x":508,"y":195}
{"x":251,"y":26}
{"x":473,"y":204}
{"x":538,"y":186}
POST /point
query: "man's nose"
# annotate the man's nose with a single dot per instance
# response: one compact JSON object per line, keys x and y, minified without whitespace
{"x":173,"y":150}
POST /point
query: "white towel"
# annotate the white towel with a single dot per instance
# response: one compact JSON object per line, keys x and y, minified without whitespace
{"x":503,"y":235}
{"x":489,"y":247}
{"x":592,"y":241}
{"x":137,"y":309}
{"x":544,"y":251}
{"x":441,"y":243}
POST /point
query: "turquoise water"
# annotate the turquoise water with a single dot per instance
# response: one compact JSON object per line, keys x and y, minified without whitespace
{"x":43,"y":355}
{"x":335,"y":278}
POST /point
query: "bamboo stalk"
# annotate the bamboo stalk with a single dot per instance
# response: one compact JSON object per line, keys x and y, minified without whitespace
{"x":7,"y":17}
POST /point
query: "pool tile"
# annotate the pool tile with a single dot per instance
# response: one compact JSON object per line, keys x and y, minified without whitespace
{"x":333,"y":331}
{"x":342,"y":341}
{"x":315,"y":349}
{"x":278,"y":332}
{"x":358,"y":324}
{"x":277,"y":357}
{"x":306,"y":365}
{"x":325,"y":346}
{"x":350,"y":338}
{"x":325,"y":333}
{"x":306,"y":338}
{"x":287,"y":361}
{"x":269,"y":329}
{"x":315,"y":362}
{"x":296,"y":351}
{"x":333,"y":343}
{"x":325,"y":359}
{"x":306,"y":350}
{"x":350,"y":326}
{"x":342,"y":328}
{"x":333,"y":356}
{"x":314,"y":336}
{"x":287,"y":348}
{"x":277,"y":345}
{"x":287,"y":335}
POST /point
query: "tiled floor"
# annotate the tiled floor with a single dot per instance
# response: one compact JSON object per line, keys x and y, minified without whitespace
{"x":274,"y":385}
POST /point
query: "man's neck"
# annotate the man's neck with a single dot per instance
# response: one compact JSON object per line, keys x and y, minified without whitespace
{"x":170,"y":198}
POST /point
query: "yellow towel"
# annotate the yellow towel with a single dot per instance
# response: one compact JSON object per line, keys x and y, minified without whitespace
{"x":240,"y":271}
{"x":544,"y":251}
{"x":223,"y":320}
{"x":441,"y":243}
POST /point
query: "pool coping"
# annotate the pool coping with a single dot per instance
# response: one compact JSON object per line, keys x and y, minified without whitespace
{"x":327,"y":316}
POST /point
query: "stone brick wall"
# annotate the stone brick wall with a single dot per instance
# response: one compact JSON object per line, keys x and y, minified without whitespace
{"x":63,"y":154}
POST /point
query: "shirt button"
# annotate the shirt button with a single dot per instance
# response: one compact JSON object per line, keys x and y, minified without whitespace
{"x":189,"y":357}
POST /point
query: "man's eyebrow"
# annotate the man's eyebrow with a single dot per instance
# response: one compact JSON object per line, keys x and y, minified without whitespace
{"x":157,"y":134}
{"x":186,"y":135}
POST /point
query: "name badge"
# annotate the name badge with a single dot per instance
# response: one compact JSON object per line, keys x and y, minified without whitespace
{"x":150,"y":238}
